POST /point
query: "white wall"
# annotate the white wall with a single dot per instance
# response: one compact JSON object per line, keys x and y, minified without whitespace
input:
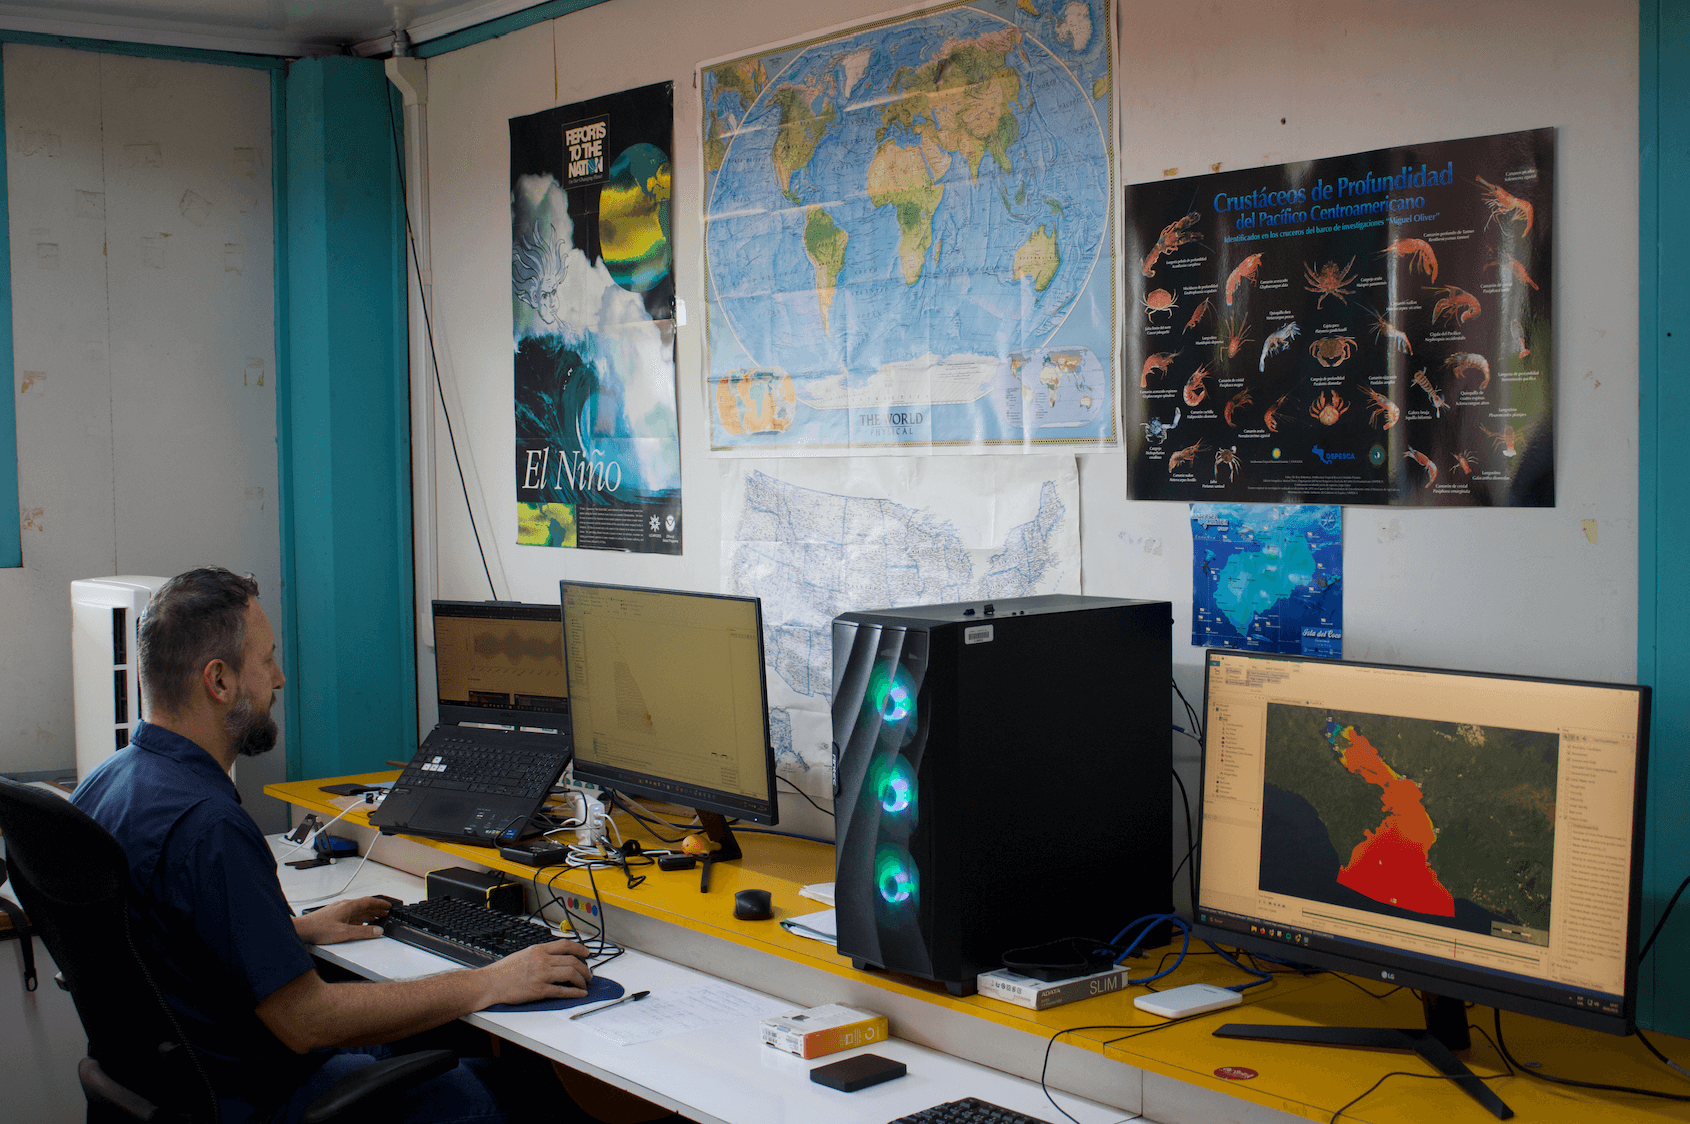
{"x":143,"y":313}
{"x":1199,"y":86}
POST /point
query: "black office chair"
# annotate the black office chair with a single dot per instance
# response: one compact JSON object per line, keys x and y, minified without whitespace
{"x":71,"y":877}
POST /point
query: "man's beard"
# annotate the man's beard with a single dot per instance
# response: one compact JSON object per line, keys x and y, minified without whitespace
{"x":253,"y":734}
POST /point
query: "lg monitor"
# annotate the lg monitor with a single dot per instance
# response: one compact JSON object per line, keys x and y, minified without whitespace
{"x":668,"y":700}
{"x":1476,"y":837}
{"x":500,"y":663}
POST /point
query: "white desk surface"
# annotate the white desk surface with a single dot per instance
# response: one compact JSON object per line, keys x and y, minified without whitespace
{"x":723,"y":1075}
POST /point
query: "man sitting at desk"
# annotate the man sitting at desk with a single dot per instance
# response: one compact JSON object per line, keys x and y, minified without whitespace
{"x":234,"y":961}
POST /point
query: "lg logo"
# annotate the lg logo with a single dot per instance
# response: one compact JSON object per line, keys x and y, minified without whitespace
{"x":1387,"y":976}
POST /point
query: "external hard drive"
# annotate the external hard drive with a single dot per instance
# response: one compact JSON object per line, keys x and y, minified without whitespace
{"x":857,"y":1073}
{"x":1192,"y":999}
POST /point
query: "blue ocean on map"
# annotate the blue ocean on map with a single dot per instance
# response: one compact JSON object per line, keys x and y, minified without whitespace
{"x":1268,"y":579}
{"x":870,"y":212}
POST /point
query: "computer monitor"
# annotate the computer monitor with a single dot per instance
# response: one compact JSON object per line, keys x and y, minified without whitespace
{"x":500,"y":663}
{"x":1477,"y":837}
{"x":668,"y":700}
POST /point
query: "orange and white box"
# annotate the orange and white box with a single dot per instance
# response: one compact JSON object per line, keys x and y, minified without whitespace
{"x":828,"y":1029}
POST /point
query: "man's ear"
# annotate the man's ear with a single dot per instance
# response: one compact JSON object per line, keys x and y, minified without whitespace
{"x":218,"y":679}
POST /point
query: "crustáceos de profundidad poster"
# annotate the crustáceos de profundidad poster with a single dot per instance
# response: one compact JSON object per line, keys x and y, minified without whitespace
{"x":598,"y":458}
{"x":1364,"y":329}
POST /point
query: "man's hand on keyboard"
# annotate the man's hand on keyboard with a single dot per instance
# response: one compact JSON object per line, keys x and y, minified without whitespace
{"x":554,"y":970}
{"x":353,"y":919}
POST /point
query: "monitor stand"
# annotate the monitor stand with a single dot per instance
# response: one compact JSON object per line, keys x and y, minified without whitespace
{"x":1446,"y":1032}
{"x":716,"y":829}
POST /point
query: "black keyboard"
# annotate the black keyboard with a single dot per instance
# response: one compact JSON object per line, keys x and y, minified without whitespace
{"x":470,"y":934}
{"x":969,"y":1110}
{"x":460,"y":762}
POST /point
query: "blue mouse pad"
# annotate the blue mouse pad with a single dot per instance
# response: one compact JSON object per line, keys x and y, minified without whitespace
{"x":600,"y":990}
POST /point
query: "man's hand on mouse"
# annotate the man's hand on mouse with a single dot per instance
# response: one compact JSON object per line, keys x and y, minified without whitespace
{"x":353,"y":919}
{"x":555,"y":970}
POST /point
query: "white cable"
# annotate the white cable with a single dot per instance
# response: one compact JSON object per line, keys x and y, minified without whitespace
{"x":370,"y":850}
{"x":312,"y":838}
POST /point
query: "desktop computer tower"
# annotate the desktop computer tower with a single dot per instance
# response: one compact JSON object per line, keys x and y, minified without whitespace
{"x":1001,"y":778}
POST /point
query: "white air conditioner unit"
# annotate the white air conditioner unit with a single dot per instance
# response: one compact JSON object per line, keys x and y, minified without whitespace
{"x":105,"y":668}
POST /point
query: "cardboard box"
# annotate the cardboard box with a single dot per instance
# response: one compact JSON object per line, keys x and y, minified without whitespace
{"x":823,"y":1030}
{"x":1041,"y":995}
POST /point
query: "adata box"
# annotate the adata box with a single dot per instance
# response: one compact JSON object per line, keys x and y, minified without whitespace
{"x":823,"y":1030}
{"x":1041,"y":995}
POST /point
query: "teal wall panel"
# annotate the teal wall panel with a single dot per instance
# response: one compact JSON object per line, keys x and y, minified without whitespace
{"x":11,"y":533}
{"x":345,"y":438}
{"x":1663,"y":531}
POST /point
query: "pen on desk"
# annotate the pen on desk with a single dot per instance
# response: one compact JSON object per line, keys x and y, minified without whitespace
{"x":634,"y":998}
{"x":704,"y":877}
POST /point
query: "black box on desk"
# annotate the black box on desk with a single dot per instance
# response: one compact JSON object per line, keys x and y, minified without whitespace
{"x":1001,"y":778}
{"x":477,"y":887}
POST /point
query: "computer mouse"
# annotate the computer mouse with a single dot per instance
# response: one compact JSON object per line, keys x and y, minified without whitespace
{"x":753,"y":905}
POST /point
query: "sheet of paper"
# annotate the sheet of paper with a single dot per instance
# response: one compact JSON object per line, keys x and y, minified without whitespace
{"x":680,"y":1010}
{"x":820,"y":926}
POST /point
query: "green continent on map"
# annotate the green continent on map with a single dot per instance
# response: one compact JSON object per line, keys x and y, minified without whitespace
{"x":963,"y":99}
{"x":1253,"y":581}
{"x":715,"y":148}
{"x":1099,"y":88}
{"x":746,"y":78}
{"x":902,"y":178}
{"x":801,"y":130}
{"x":1037,"y":258}
{"x":824,"y":242}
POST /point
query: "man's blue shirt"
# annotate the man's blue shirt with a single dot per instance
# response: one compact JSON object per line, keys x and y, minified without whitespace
{"x":212,"y":912}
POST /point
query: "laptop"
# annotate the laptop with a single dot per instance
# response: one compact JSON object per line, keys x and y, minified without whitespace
{"x":478,"y":777}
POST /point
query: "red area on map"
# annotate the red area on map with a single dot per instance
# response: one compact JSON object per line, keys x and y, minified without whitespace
{"x":1390,"y":864}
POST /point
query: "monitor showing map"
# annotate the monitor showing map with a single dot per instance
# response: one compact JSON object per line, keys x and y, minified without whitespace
{"x":1474,"y":836}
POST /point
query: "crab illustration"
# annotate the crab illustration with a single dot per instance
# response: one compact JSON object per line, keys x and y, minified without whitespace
{"x":1332,"y":350}
{"x":1328,"y":413}
{"x":1156,"y":430}
{"x":1329,"y":281}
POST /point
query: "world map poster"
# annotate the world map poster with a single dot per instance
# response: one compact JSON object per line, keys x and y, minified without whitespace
{"x":908,"y":234}
{"x":1375,"y":328}
{"x":1268,"y":578}
{"x":598,"y":455}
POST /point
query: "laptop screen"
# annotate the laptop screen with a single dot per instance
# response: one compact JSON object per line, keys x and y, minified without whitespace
{"x":501,"y":663}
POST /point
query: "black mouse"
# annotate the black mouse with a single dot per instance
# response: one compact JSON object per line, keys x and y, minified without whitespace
{"x":753,"y":905}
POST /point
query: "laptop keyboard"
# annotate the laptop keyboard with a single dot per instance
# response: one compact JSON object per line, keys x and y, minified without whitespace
{"x":456,"y":763}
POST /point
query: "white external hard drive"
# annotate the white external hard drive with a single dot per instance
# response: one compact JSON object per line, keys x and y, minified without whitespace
{"x":1192,"y":999}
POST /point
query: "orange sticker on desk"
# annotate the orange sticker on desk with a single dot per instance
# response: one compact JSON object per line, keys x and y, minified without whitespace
{"x":1235,"y":1073}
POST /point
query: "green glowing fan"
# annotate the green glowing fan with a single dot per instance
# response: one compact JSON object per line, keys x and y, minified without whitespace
{"x":891,"y":698}
{"x":892,"y":780}
{"x":895,"y":875}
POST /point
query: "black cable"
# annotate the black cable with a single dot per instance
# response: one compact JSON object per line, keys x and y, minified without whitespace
{"x":1190,"y":712}
{"x":1190,"y":844}
{"x":1502,"y":1048}
{"x":1665,"y":913}
{"x":428,"y":327}
{"x":1363,"y":990}
{"x":1650,"y":1046}
{"x":1404,"y":1073}
{"x":805,"y":795}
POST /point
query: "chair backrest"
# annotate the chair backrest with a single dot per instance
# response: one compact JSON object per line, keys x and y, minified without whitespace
{"x":72,"y":878}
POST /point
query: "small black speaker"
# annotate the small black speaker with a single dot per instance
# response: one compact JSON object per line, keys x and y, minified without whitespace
{"x":1001,"y":778}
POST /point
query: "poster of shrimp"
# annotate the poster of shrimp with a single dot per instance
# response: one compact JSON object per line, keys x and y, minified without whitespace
{"x":1364,"y":329}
